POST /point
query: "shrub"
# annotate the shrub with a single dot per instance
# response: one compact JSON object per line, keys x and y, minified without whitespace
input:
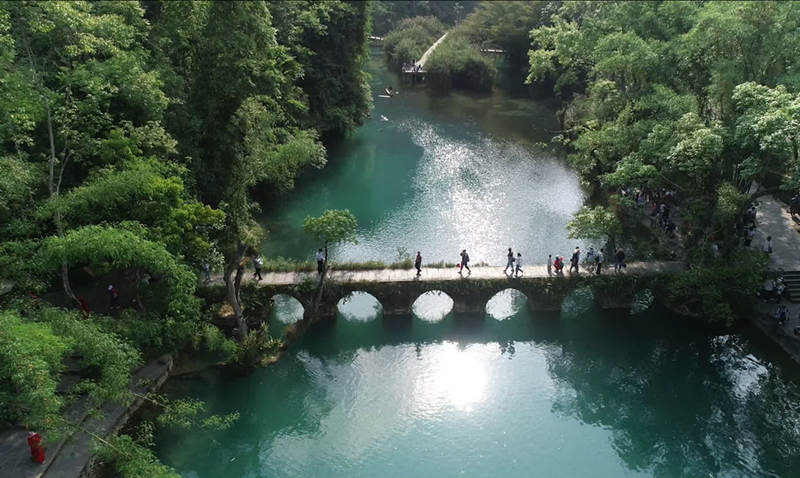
{"x":410,"y":39}
{"x":456,"y":63}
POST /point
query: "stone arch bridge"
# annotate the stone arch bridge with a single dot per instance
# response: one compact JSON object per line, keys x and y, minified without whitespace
{"x":397,"y":290}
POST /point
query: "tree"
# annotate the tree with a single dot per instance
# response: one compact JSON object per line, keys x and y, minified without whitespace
{"x":332,"y":226}
{"x":409,"y":40}
{"x":505,"y":24}
{"x":329,"y":40}
{"x":595,"y":223}
{"x":248,"y":132}
{"x":87,"y":66}
{"x":768,"y":128}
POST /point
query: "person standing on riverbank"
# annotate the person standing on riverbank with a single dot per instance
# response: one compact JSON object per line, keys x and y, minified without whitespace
{"x":518,"y":270}
{"x":257,"y":267}
{"x":464,"y":262}
{"x":575,"y":260}
{"x":549,"y":264}
{"x":206,"y":272}
{"x":510,"y":262}
{"x":320,"y":261}
{"x":418,"y":263}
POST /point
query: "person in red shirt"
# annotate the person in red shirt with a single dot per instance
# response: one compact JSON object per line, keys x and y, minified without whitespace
{"x":84,"y":307}
{"x":37,"y":450}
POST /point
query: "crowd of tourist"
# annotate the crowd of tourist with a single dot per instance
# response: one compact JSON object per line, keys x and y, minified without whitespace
{"x":657,"y":202}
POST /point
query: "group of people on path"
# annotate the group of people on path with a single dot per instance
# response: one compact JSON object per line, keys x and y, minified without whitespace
{"x":658,"y":202}
{"x":594,"y":262}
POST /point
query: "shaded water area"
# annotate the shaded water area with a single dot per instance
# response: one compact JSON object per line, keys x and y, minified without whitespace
{"x":438,"y":174}
{"x":509,"y":393}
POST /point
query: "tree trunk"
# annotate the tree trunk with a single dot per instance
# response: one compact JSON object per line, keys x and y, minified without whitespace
{"x":51,"y":186}
{"x":138,"y":296}
{"x":232,"y":287}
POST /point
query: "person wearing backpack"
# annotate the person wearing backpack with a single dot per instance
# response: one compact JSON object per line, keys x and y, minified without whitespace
{"x":620,"y":264}
{"x":464,"y":262}
{"x":510,"y":262}
{"x":575,"y":260}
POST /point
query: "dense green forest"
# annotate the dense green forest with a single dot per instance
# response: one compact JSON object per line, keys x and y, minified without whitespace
{"x":139,"y":139}
{"x":133,"y":136}
{"x":386,"y":16}
{"x":698,"y":98}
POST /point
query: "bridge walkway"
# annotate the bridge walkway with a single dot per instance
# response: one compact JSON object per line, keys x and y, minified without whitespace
{"x":440,"y":274}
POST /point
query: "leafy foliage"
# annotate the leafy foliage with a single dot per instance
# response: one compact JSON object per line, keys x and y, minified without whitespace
{"x":718,"y":291}
{"x":332,"y":226}
{"x":30,"y":360}
{"x":387,"y":15}
{"x":132,"y":458}
{"x":593,"y":223}
{"x":458,"y":63}
{"x":409,"y":40}
{"x":505,"y":24}
{"x":106,"y":358}
{"x":112,"y":248}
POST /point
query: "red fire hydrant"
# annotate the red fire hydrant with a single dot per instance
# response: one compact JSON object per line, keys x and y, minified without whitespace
{"x":37,"y":450}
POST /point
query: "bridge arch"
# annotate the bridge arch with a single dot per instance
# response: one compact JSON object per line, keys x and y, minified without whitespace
{"x":359,"y":306}
{"x":432,"y":305}
{"x":577,"y":302}
{"x":284,"y":311}
{"x":506,"y":303}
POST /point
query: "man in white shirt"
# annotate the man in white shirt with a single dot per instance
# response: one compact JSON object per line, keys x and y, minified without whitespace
{"x":320,"y":261}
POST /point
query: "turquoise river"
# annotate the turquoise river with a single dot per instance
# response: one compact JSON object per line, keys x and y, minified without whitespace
{"x":506,"y":393}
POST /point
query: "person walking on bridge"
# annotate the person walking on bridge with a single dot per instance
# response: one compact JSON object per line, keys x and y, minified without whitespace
{"x":518,"y":270}
{"x":464,"y":262}
{"x":418,"y":263}
{"x":599,"y":260}
{"x":575,"y":260}
{"x":320,"y":261}
{"x":510,"y":262}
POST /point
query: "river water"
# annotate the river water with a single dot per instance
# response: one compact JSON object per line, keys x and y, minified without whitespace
{"x":437,"y":175}
{"x":585,"y":393}
{"x":581,"y":393}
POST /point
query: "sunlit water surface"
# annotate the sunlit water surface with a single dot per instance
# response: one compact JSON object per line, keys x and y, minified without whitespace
{"x":508,"y":393}
{"x":437,"y":175}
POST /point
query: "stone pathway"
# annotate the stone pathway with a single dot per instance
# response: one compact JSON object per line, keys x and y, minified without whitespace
{"x":437,"y":274}
{"x":773,"y":219}
{"x":68,"y":457}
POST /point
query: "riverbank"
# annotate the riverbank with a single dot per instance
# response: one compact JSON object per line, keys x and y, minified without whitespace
{"x":781,"y":335}
{"x":70,"y":457}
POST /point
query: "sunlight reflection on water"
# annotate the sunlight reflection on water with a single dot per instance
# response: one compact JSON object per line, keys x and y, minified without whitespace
{"x":476,"y":193}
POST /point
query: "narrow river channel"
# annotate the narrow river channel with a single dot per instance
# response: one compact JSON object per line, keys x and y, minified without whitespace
{"x":437,"y":175}
{"x":509,"y":393}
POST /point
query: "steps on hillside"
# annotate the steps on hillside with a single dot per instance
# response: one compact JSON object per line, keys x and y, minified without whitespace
{"x":792,"y":281}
